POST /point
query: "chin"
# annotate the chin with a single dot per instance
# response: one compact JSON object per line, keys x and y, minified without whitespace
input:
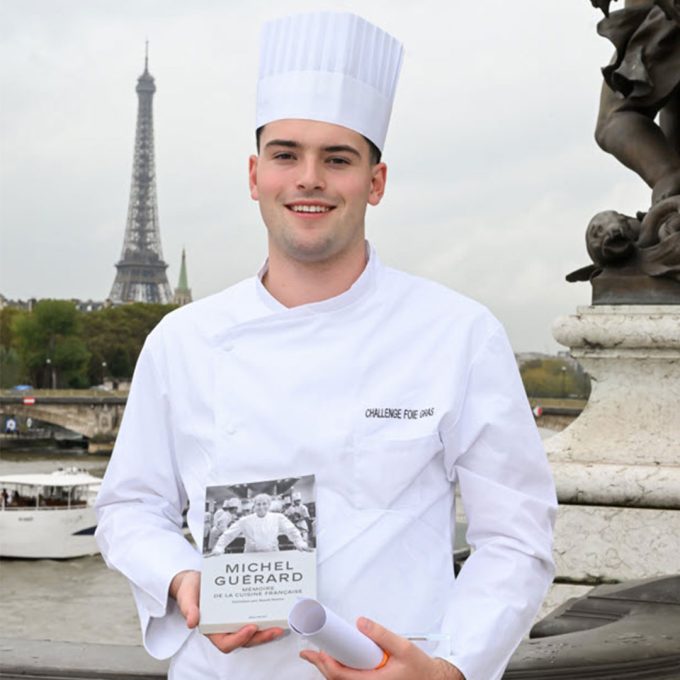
{"x":311,"y":250}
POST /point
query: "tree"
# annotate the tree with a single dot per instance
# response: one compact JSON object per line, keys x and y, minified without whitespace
{"x":77,"y":349}
{"x":554,"y":377}
{"x":49,"y":344}
{"x":11,"y":369}
{"x":115,"y":336}
{"x":8,"y":315}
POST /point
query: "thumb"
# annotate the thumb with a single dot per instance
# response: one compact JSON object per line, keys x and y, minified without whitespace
{"x":187,"y":599}
{"x":390,"y":642}
{"x":192,"y":615}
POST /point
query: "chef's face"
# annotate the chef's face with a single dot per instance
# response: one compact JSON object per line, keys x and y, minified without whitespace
{"x":313,"y":182}
{"x":261,"y":506}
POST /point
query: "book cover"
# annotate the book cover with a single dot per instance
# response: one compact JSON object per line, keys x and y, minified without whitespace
{"x":259,"y":552}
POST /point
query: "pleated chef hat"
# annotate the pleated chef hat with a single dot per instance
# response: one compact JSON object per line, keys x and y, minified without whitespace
{"x":333,"y":67}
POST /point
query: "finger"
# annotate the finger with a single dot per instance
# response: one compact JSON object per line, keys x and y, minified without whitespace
{"x":263,"y":636}
{"x":192,"y":615}
{"x":187,"y":599}
{"x":312,"y":657}
{"x":228,"y":642}
{"x":393,"y":644}
{"x":224,"y":640}
{"x":330,"y":668}
{"x":322,"y":661}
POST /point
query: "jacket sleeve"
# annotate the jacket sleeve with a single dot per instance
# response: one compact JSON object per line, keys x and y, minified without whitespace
{"x":292,"y":532}
{"x":494,"y":451}
{"x":139,"y":508}
{"x":228,"y":535}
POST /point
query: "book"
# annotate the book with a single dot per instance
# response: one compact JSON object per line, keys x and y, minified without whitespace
{"x":259,"y":552}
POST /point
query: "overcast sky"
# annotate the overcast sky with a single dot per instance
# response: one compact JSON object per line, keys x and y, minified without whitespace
{"x":493,"y":171}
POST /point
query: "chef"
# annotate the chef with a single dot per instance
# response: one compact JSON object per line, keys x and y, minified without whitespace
{"x":223,"y":519}
{"x":261,"y":529}
{"x":389,"y":388}
{"x":298,"y":514}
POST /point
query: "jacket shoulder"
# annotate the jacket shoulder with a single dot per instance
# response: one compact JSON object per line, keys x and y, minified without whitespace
{"x":434,"y":301}
{"x":210,"y":314}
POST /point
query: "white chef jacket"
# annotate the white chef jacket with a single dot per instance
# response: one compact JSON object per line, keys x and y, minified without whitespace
{"x":261,"y":533}
{"x":222,"y":518}
{"x":389,"y":393}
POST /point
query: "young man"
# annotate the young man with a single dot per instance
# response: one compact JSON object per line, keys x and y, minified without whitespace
{"x":389,"y":388}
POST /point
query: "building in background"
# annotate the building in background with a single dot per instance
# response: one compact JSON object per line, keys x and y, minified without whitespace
{"x":183,"y":292}
{"x":28,"y":305}
{"x":141,"y":275}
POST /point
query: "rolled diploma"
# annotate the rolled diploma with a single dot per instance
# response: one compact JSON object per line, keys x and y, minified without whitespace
{"x":334,"y":635}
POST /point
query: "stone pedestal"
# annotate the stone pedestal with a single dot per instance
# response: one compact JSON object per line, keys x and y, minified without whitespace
{"x":617,"y":466}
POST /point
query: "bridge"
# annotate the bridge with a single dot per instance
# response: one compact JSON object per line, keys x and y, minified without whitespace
{"x":91,"y":413}
{"x":96,"y":415}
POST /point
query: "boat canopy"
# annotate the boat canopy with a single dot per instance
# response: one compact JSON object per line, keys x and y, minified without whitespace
{"x":56,"y":478}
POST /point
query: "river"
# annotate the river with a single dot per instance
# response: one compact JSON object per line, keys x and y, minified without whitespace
{"x":76,"y":600}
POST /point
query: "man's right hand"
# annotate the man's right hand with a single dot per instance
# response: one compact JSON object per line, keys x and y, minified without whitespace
{"x":185,"y":588}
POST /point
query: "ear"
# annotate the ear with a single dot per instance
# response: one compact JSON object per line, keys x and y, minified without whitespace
{"x":378,"y":181}
{"x":252,"y":177}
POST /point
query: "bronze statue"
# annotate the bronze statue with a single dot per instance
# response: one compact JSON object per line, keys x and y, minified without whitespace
{"x":641,"y":82}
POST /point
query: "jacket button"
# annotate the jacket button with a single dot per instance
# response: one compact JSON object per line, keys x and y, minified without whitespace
{"x":230,"y":429}
{"x":228,"y":347}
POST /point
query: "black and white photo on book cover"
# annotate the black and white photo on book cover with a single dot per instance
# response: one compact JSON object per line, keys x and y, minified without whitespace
{"x":259,"y":552}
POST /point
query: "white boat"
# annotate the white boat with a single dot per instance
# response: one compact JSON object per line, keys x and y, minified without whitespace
{"x":48,"y":515}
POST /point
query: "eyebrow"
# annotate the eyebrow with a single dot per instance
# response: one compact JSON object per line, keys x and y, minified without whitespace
{"x":342,"y":148}
{"x":282,"y":142}
{"x":336,"y":148}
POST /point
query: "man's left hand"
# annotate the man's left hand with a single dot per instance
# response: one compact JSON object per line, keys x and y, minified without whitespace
{"x":406,"y":661}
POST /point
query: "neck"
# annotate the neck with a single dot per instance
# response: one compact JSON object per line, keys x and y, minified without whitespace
{"x":295,"y":283}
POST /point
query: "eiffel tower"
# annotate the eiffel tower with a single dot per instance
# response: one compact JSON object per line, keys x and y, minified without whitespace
{"x":141,"y":273}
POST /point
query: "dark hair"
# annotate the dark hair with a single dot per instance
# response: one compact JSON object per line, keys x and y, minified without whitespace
{"x":374,"y":152}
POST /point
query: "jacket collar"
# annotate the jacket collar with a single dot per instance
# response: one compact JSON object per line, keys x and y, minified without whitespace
{"x":362,"y":287}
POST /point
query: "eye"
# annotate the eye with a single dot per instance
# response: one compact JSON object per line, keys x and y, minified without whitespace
{"x":338,"y":160}
{"x":283,"y":156}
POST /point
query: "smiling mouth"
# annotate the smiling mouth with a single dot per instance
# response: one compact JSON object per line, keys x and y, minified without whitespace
{"x":308,"y":209}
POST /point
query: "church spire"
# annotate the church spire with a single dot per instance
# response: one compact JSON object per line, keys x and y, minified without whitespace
{"x":183,"y":292}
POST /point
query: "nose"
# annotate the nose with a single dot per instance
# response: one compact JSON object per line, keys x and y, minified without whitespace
{"x":310,"y":176}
